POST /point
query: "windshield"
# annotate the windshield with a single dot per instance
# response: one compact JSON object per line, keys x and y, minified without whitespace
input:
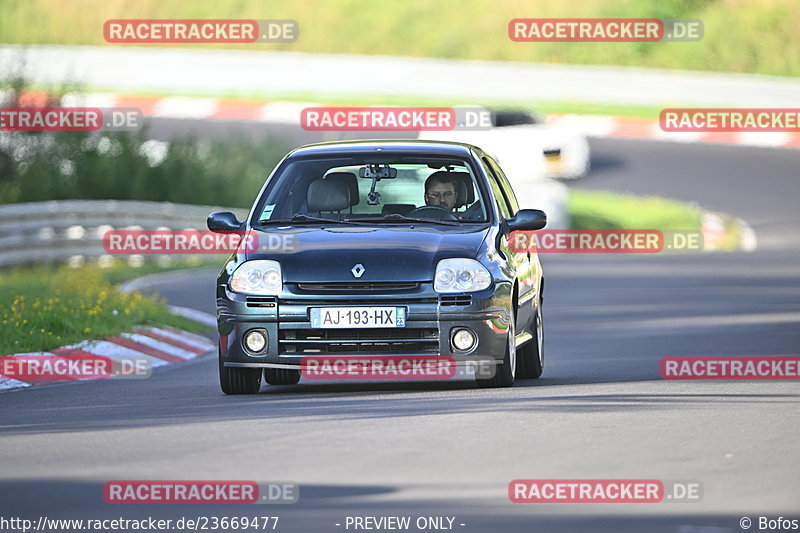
{"x":368,"y":190}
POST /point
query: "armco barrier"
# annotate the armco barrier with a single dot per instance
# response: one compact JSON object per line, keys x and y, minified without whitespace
{"x":72,"y":230}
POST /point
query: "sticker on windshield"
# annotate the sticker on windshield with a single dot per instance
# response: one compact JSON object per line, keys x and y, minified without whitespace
{"x":267,"y":213}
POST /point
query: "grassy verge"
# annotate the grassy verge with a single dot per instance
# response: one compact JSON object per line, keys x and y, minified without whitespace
{"x":604,"y":210}
{"x":47,"y":307}
{"x":120,"y":271}
{"x":739,"y":35}
{"x":590,"y":210}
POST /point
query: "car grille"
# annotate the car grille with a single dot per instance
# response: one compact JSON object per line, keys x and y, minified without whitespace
{"x":371,"y":341}
{"x":381,"y":286}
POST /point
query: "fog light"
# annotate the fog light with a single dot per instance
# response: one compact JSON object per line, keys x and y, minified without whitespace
{"x":463,"y":340}
{"x":255,"y":340}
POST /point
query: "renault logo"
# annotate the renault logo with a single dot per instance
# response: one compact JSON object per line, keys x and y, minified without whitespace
{"x":358,"y":270}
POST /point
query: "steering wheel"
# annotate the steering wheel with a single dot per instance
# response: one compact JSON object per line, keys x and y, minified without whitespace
{"x":433,"y":211}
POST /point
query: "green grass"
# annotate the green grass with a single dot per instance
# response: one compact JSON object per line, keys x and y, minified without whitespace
{"x":46,"y":307}
{"x":740,"y":35}
{"x":121,"y":271}
{"x":604,"y":210}
{"x":589,"y":210}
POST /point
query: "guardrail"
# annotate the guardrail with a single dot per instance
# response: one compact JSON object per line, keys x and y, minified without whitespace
{"x":71,"y":231}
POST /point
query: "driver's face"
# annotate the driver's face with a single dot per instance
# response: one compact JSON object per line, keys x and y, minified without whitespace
{"x":441,"y":195}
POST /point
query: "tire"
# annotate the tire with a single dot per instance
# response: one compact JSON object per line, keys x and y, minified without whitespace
{"x":281,"y":376}
{"x":505,"y":372}
{"x":530,"y":357}
{"x":235,"y":380}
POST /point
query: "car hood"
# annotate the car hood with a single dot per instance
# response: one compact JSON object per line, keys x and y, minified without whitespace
{"x":309,"y":254}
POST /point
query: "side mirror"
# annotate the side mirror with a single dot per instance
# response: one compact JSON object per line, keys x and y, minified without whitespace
{"x":527,"y":219}
{"x":223,"y":221}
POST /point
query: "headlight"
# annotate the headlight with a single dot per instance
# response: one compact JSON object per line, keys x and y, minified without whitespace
{"x":461,"y":275}
{"x":257,"y":277}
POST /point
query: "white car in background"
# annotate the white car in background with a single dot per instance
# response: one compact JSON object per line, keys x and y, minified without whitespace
{"x":545,"y":150}
{"x":565,"y":152}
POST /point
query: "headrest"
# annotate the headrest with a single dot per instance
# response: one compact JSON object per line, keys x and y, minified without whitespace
{"x":328,"y":195}
{"x":468,"y":192}
{"x":350,"y":180}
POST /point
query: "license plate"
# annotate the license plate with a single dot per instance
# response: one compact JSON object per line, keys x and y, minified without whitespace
{"x":358,"y":317}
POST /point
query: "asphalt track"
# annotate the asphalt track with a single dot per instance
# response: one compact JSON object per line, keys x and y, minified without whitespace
{"x":449,"y":449}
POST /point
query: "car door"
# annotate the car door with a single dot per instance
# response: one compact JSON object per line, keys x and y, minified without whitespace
{"x":519,"y":261}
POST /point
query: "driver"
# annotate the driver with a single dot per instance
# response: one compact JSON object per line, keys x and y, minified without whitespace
{"x":441,"y":190}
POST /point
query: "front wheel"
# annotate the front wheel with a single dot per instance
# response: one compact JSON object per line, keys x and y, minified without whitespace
{"x":234,"y":380}
{"x":530,"y":357}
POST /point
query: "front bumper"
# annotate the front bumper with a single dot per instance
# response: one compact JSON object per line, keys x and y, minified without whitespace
{"x":430,"y":321}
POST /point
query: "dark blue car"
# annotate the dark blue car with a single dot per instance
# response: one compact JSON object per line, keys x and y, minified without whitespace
{"x":378,"y":248}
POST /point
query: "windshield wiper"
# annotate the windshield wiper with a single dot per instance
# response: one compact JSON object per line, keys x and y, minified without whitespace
{"x":396,"y":217}
{"x":300,"y":217}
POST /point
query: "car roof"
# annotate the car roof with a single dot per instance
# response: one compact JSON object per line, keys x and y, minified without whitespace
{"x":410,"y":146}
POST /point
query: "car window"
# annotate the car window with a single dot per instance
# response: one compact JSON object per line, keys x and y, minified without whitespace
{"x":497,"y":190}
{"x":353,"y":188}
{"x":509,"y":195}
